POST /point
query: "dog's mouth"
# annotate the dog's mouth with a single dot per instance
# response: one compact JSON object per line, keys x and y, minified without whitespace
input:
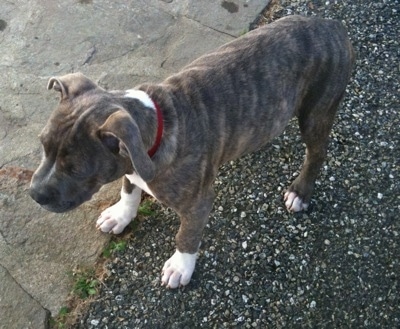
{"x":60,"y":208}
{"x":55,"y":204}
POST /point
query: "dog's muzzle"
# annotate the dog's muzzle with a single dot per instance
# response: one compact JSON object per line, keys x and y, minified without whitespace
{"x":50,"y":199}
{"x":55,"y":200}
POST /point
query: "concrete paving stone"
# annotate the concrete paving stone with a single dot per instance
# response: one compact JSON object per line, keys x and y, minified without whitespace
{"x":18,"y":308}
{"x":39,"y":248}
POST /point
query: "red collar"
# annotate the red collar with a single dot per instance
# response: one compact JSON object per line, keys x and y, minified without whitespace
{"x":160,"y":128}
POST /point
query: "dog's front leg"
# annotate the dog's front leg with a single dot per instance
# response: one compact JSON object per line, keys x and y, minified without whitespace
{"x":178,"y":270}
{"x":115,"y":218}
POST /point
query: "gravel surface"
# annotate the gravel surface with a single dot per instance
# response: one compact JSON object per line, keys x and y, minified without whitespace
{"x":334,"y":266}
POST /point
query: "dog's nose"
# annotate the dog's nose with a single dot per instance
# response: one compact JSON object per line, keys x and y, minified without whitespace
{"x":42,"y":197}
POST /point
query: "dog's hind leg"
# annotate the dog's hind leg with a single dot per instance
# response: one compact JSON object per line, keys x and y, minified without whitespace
{"x":315,"y":126}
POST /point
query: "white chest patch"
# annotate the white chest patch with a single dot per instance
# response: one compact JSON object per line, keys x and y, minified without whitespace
{"x":139,"y":182}
{"x":146,"y":100}
{"x":141,"y":96}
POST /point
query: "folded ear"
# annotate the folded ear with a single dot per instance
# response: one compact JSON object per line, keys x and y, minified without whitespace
{"x":121,"y":134}
{"x":71,"y":85}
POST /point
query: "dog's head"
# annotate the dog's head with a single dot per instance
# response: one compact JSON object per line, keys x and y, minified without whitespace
{"x":89,"y":140}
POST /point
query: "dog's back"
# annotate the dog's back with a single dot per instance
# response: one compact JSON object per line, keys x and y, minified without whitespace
{"x":267,"y":75}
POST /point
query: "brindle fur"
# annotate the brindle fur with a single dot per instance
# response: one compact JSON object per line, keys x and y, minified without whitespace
{"x":221,"y":106}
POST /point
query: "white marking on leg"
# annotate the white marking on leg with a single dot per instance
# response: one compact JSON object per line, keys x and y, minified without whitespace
{"x":115,"y":218}
{"x":178,"y":270}
{"x":294,"y":203}
{"x":141,"y":96}
{"x":135,"y":179}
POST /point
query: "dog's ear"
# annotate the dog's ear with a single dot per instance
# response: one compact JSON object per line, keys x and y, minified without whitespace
{"x":71,"y":85}
{"x":121,"y":135}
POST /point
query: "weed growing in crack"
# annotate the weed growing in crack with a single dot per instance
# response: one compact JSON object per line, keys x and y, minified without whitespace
{"x":145,"y":208}
{"x":113,"y":247}
{"x":85,"y":284}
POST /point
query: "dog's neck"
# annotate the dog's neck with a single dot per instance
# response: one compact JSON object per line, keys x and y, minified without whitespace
{"x":142,"y":96}
{"x":160,"y":128}
{"x":146,"y":100}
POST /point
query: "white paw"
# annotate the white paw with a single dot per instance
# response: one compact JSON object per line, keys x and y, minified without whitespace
{"x":294,"y":203}
{"x":178,"y":270}
{"x":115,"y":218}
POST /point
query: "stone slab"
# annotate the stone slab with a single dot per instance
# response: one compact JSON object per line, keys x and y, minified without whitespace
{"x":18,"y":308}
{"x":40,"y":249}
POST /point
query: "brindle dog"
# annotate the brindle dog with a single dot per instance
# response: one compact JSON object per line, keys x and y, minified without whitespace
{"x":223,"y":105}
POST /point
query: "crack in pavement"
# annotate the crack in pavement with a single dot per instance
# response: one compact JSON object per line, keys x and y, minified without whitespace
{"x":3,"y":237}
{"x":210,"y":27}
{"x":23,"y":289}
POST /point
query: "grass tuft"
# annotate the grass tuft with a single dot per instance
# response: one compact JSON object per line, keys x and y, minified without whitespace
{"x":85,"y":284}
{"x":114,"y":246}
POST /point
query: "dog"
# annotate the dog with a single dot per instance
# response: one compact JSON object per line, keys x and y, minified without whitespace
{"x":169,"y":139}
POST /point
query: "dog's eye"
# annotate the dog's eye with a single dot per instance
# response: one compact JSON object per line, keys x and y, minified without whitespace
{"x":111,"y":142}
{"x":71,"y":168}
{"x":65,"y":165}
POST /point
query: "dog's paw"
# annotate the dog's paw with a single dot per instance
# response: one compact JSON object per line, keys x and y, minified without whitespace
{"x":294,"y":203}
{"x":115,"y":218}
{"x":178,"y":270}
